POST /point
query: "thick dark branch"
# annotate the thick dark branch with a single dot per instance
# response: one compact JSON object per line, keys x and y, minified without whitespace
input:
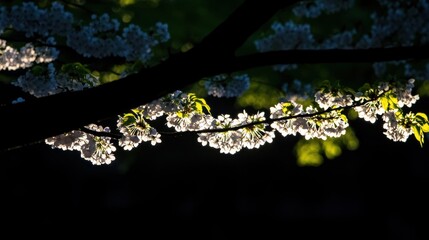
{"x":37,"y":119}
{"x":238,"y":27}
{"x":44,"y":117}
{"x":41,"y":118}
{"x":328,"y":56}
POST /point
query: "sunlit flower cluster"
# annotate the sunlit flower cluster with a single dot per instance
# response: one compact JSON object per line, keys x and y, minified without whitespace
{"x":369,"y":110}
{"x":292,"y":119}
{"x":257,"y":135}
{"x":393,"y":129}
{"x":135,"y":129}
{"x":320,"y":117}
{"x":96,"y":149}
{"x":226,"y":141}
{"x":405,"y":95}
{"x":190,"y":122}
{"x":331,"y":99}
{"x":289,"y":110}
{"x":189,"y":112}
{"x":372,"y":102}
{"x":245,"y":136}
{"x":26,"y":56}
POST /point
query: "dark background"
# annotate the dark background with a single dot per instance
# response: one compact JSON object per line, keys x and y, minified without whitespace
{"x":179,"y":188}
{"x":182,"y":189}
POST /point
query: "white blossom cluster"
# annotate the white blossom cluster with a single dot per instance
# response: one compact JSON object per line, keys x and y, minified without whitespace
{"x":393,"y":130}
{"x":395,"y":125}
{"x":181,"y":116}
{"x":49,"y":82}
{"x":297,"y":90}
{"x":307,"y":122}
{"x":342,"y":40}
{"x":371,"y":109}
{"x":184,"y":112}
{"x":191,"y":122}
{"x":401,"y":24}
{"x":96,"y":39}
{"x":32,"y":20}
{"x":291,"y":35}
{"x":232,"y":141}
{"x":101,"y":37}
{"x":135,"y":130}
{"x":314,"y":8}
{"x":396,"y":23}
{"x":96,"y":149}
{"x":180,"y":111}
{"x":288,"y":35}
{"x":295,"y":119}
{"x":331,"y":99}
{"x":26,"y":56}
{"x":227,"y":86}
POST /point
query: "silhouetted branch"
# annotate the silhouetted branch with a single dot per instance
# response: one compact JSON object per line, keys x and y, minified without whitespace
{"x":37,"y":119}
{"x":44,"y":117}
{"x":310,"y":56}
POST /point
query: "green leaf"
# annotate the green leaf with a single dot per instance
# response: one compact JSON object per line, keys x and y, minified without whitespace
{"x":287,"y":107}
{"x":180,"y":114}
{"x":128,"y":119}
{"x":422,"y":116}
{"x":384,"y":103}
{"x":136,"y":111}
{"x":344,"y":117}
{"x":425,"y":128}
{"x":418,"y":134}
{"x":422,"y":121}
{"x":393,"y":100}
{"x":198,"y":103}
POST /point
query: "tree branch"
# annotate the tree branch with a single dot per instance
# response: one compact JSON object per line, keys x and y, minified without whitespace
{"x":310,"y":56}
{"x":35,"y":120}
{"x":239,"y":26}
{"x":38,"y":119}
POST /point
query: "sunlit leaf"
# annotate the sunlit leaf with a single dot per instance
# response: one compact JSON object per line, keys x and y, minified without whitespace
{"x":344,"y":117}
{"x":425,"y":128}
{"x":423,"y":116}
{"x":180,"y":114}
{"x":384,"y":103}
{"x":418,"y":134}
